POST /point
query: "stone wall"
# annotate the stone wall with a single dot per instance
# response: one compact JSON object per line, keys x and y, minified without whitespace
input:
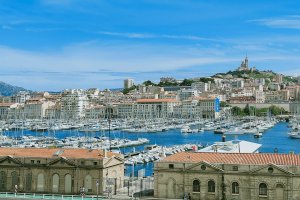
{"x":283,"y":182}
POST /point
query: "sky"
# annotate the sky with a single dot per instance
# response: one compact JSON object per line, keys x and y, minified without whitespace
{"x":51,"y":45}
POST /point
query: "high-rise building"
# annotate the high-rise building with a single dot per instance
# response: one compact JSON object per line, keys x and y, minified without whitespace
{"x":73,"y":104}
{"x":128,"y":83}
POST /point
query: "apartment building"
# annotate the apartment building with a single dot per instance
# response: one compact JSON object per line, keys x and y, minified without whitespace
{"x":73,"y":104}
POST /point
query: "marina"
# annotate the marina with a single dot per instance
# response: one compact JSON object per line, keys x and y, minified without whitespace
{"x":275,"y":137}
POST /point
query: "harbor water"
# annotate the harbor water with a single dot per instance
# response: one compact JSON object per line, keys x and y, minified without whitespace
{"x":274,"y":139}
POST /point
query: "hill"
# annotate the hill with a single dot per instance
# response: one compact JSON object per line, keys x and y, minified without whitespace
{"x":269,"y":75}
{"x":8,"y":90}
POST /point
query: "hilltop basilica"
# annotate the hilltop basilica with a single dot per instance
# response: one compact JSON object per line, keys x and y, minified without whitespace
{"x":244,"y":66}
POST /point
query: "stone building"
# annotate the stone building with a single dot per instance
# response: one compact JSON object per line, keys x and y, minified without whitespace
{"x":60,"y":171}
{"x":4,"y":109}
{"x":154,"y":108}
{"x":35,"y":108}
{"x":236,"y":176}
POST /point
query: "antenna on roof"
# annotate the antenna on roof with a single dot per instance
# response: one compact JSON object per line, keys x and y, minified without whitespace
{"x":58,"y":152}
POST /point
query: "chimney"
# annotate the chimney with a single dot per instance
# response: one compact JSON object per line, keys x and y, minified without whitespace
{"x":105,"y":153}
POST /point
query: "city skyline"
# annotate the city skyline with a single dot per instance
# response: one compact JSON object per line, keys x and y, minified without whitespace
{"x":52,"y":45}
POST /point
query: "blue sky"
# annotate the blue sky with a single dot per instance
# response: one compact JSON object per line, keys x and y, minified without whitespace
{"x":57,"y":44}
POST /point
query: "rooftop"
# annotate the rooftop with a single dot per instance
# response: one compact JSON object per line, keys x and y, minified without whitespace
{"x":51,"y":153}
{"x":6,"y":104}
{"x":156,"y":100}
{"x":232,"y":147}
{"x":235,"y":158}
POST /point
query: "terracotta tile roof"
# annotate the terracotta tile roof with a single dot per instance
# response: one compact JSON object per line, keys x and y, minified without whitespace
{"x":156,"y":100}
{"x":235,"y":158}
{"x":203,"y":98}
{"x":49,"y":153}
{"x":6,"y":104}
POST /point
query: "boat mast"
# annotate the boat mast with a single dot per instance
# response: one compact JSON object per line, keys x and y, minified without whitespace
{"x":109,"y":121}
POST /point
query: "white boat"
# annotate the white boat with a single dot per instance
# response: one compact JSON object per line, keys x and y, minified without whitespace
{"x":257,"y":134}
{"x":250,"y":131}
{"x":187,"y":129}
{"x":90,"y":129}
{"x":294,"y":134}
{"x":235,"y":131}
{"x":219,"y":130}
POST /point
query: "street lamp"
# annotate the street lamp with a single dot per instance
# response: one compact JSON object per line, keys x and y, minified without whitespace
{"x":97,"y":185}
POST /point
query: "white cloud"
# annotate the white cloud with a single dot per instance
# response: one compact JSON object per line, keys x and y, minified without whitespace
{"x":5,"y":27}
{"x":157,"y":36}
{"x":92,"y":62}
{"x":290,"y":22}
{"x":127,"y":35}
{"x":104,"y":64}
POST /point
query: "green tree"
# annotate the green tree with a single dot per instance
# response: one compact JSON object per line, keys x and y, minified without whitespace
{"x":127,"y":90}
{"x":236,"y":111}
{"x":223,"y":104}
{"x":186,"y":82}
{"x":246,"y":110}
{"x":147,"y":83}
{"x":206,"y":80}
{"x":167,"y":83}
{"x":276,"y":110}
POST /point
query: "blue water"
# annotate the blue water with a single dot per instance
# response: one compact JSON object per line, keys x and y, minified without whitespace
{"x":275,"y":137}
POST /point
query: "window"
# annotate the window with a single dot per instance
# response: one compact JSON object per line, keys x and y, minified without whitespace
{"x":270,"y":170}
{"x":32,"y":161}
{"x":211,"y":186}
{"x":196,"y":186}
{"x":235,"y":168}
{"x":235,"y":188}
{"x":95,"y":163}
{"x":2,"y":181}
{"x":171,"y":166}
{"x":263,"y":189}
{"x":38,"y":161}
{"x":14,"y":179}
{"x":203,"y":167}
{"x":28,"y":182}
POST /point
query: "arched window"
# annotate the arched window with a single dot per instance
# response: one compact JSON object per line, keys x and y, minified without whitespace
{"x":235,"y":188}
{"x":2,"y":181}
{"x":28,"y":182}
{"x":211,"y":186}
{"x":55,"y":183}
{"x":88,"y":183}
{"x":40,"y":183}
{"x":263,"y":189}
{"x":196,"y":186}
{"x":14,"y":179}
{"x":68,"y":183}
